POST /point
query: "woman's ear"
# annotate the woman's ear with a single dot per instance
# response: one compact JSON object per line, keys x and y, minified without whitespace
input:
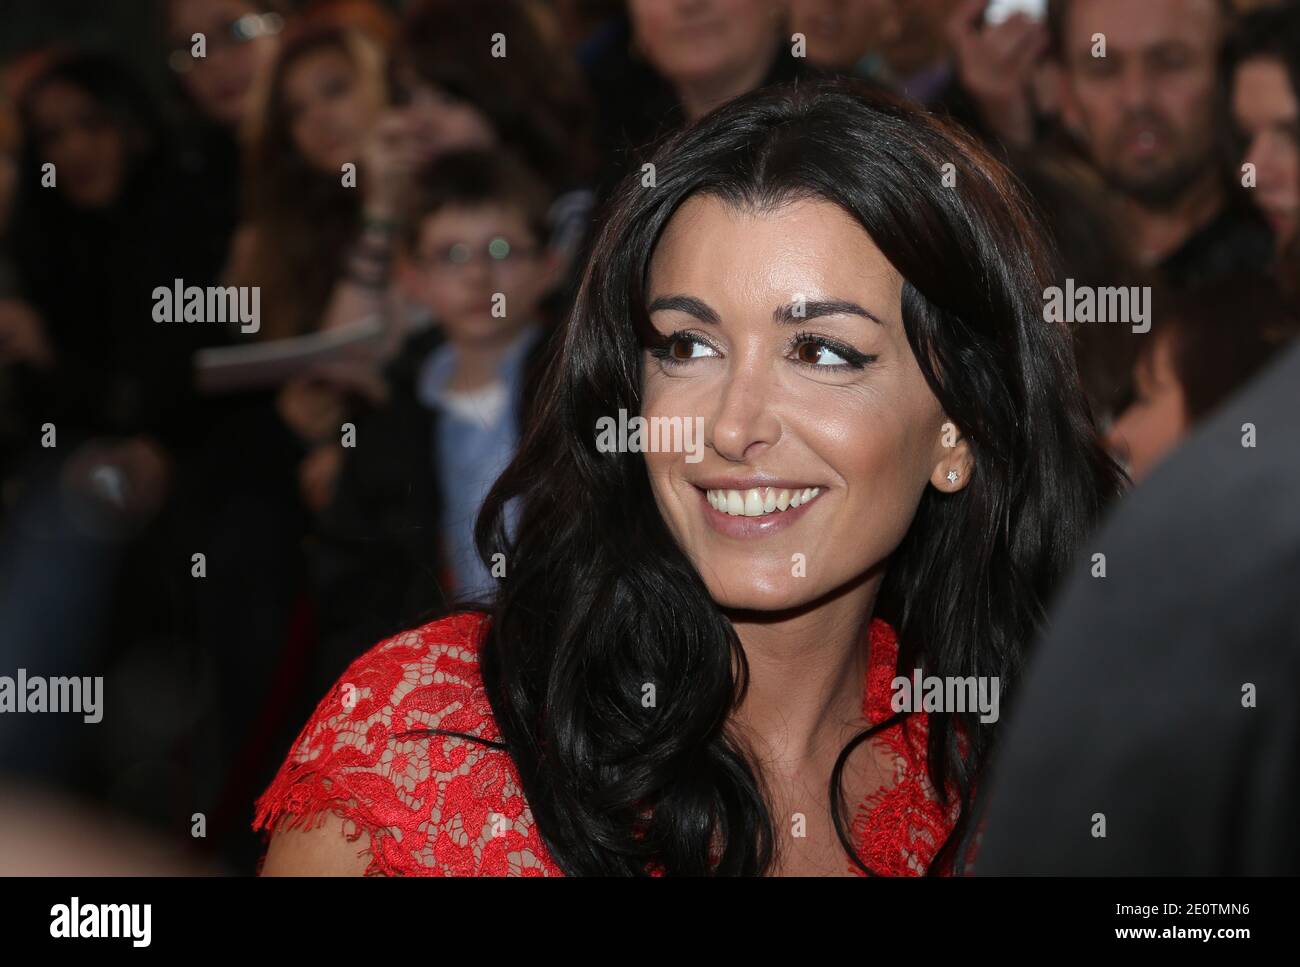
{"x":956,"y":464}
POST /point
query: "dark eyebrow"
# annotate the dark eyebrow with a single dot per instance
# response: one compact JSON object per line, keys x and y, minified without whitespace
{"x":825,"y":307}
{"x":687,"y":304}
{"x":784,"y":315}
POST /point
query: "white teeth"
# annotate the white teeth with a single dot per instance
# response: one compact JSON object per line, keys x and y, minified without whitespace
{"x":758,"y":501}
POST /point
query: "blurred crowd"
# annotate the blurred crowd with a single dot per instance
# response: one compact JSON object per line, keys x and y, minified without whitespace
{"x":411,"y":189}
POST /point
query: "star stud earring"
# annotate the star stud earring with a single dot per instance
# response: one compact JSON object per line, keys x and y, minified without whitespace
{"x":952,"y":476}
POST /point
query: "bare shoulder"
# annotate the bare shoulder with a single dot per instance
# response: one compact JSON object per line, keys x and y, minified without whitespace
{"x":325,"y":850}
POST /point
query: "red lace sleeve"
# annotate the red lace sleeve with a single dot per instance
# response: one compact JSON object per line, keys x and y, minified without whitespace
{"x":432,"y":805}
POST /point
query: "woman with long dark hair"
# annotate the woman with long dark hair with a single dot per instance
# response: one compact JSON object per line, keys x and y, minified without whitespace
{"x":690,"y":663}
{"x":99,"y":221}
{"x":317,"y":112}
{"x":1261,"y":73}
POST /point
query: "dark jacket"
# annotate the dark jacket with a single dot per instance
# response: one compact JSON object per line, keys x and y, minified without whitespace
{"x":377,"y":558}
{"x":1162,"y":697}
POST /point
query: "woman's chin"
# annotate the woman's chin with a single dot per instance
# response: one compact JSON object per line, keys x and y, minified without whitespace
{"x":787,"y":595}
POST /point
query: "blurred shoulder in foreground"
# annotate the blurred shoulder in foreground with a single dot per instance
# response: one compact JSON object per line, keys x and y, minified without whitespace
{"x":1157,"y":732}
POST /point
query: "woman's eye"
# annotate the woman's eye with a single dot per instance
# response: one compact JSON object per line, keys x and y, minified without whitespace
{"x":818,"y":354}
{"x":818,"y":351}
{"x":681,"y":347}
{"x":685,"y":347}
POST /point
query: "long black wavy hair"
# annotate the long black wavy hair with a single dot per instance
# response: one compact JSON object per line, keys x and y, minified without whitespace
{"x":598,"y":598}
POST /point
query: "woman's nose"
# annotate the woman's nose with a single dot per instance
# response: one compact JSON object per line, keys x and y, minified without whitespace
{"x":743,"y":419}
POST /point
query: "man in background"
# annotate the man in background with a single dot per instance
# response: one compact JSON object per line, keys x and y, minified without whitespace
{"x":1140,"y":90}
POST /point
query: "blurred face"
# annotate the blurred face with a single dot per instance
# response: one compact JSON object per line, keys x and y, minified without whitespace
{"x":465,"y":258}
{"x":912,"y":34}
{"x":1146,"y":109}
{"x":1264,"y":107}
{"x":441,"y":122}
{"x":1156,"y":419}
{"x":88,"y":152}
{"x":328,"y":107}
{"x":820,"y":432}
{"x":703,"y":41}
{"x":221,"y":83}
{"x":839,"y":32}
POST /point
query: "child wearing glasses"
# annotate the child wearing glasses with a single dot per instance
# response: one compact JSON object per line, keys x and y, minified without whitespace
{"x":397,"y":538}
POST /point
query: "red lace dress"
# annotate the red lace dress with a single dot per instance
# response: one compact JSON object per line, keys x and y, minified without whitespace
{"x":445,"y":806}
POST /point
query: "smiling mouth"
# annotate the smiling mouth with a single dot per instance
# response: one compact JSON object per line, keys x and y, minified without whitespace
{"x":759,"y":501}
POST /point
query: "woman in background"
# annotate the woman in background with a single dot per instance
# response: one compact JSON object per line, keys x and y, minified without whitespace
{"x":326,"y":170}
{"x":217,"y":90}
{"x":305,"y":209}
{"x":239,"y":41}
{"x":1263,"y":77}
{"x":99,"y":222}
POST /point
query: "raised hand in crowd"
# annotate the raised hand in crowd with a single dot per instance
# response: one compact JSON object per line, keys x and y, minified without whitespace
{"x":996,"y":64}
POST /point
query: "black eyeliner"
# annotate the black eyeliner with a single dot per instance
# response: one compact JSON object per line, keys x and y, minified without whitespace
{"x":852,"y":358}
